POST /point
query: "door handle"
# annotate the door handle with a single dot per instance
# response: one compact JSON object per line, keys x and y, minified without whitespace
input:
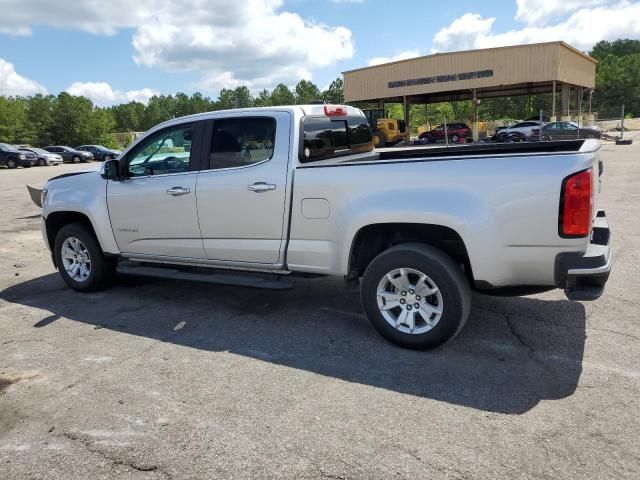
{"x":260,"y":187}
{"x":177,"y":191}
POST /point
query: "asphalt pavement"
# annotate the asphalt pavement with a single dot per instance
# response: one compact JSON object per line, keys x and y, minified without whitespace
{"x":169,"y":380}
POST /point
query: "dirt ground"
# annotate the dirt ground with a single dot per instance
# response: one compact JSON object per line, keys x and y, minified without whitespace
{"x":163,"y":380}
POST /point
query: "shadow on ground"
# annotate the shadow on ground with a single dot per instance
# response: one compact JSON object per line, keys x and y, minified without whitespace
{"x":513,"y":353}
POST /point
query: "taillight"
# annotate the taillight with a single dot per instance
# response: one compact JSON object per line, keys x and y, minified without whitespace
{"x":576,"y":205}
{"x":335,"y":110}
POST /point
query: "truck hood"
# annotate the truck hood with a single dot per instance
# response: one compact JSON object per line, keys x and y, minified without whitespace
{"x":73,"y":174}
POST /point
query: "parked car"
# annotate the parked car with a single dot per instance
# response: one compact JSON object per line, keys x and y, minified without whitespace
{"x":418,"y":227}
{"x":99,"y":152}
{"x":11,"y":157}
{"x":455,"y":132}
{"x":567,"y":131}
{"x":518,"y":132}
{"x":44,"y":158}
{"x":69,"y":154}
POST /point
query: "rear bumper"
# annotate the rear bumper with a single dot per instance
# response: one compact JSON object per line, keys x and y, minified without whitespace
{"x":583,"y":276}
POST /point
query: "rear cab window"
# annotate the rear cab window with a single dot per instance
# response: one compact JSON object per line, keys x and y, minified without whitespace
{"x":326,"y":137}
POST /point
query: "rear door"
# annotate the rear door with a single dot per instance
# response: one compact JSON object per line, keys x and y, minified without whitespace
{"x":242,"y":188}
{"x":153,"y":210}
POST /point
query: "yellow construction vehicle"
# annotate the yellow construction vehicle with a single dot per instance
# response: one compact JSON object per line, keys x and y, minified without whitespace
{"x":385,"y":130}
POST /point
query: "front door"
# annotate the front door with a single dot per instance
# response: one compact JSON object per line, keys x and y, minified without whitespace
{"x":153,"y":210}
{"x":241,"y":194}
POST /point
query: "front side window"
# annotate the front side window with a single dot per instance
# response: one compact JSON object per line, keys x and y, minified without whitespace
{"x":239,"y":142}
{"x":167,"y":151}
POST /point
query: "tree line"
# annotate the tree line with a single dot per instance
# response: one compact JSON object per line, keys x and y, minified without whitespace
{"x":68,"y":120}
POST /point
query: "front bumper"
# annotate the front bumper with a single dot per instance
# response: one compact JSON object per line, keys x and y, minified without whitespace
{"x":583,"y":276}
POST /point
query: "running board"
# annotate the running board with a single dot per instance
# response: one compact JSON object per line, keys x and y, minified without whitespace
{"x":235,"y":278}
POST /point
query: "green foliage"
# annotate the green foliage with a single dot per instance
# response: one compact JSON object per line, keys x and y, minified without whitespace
{"x":306,"y":92}
{"x":281,"y":95}
{"x":617,"y":77}
{"x":617,"y":48}
{"x":43,"y":120}
{"x":335,"y":92}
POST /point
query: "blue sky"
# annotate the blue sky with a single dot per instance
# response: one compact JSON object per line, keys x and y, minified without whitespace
{"x":119,"y":50}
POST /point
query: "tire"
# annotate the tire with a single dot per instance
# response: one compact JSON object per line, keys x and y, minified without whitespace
{"x":448,"y":308}
{"x":75,"y":159}
{"x":11,"y":163}
{"x":42,"y":162}
{"x":378,"y":139}
{"x":455,"y":138}
{"x":101,"y":270}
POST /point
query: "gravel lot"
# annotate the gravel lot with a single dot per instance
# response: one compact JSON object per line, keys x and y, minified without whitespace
{"x":157,"y":379}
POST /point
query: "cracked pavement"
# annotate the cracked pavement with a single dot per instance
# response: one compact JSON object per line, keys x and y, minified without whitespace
{"x":161,"y":380}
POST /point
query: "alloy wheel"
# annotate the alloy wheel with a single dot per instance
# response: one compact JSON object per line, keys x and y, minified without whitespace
{"x":76,"y":259}
{"x":410,"y":301}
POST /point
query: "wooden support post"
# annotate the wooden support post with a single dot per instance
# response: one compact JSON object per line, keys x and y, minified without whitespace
{"x":553,"y":103}
{"x":474,"y":116}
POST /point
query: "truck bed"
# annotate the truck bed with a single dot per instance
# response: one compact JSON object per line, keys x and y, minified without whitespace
{"x":482,"y":150}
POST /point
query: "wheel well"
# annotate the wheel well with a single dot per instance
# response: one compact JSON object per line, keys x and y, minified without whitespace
{"x":372,"y":240}
{"x":56,"y":220}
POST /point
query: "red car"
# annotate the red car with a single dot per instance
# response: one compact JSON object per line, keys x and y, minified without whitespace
{"x":455,"y":131}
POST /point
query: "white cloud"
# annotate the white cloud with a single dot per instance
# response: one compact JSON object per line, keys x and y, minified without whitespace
{"x":400,"y":56}
{"x":13,"y":84}
{"x":581,"y":27}
{"x":542,"y":12}
{"x":231,"y":42}
{"x":101,"y":93}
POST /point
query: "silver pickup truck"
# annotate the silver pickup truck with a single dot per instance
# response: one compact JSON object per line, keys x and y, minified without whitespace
{"x":251,"y":197}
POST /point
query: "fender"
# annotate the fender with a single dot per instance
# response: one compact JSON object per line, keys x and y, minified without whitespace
{"x":84,"y":194}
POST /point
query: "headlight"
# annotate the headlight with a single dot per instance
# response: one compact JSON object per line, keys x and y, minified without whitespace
{"x":43,"y":196}
{"x":22,"y":156}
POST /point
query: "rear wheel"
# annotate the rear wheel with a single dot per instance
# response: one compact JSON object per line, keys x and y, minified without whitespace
{"x":378,"y":138}
{"x":75,"y":159}
{"x":80,"y":259}
{"x":415,"y":296}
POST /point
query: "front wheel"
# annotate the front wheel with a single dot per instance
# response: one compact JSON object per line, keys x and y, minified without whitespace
{"x":455,"y":138}
{"x":11,"y":163}
{"x":80,"y":259}
{"x":42,"y":162}
{"x":415,"y":296}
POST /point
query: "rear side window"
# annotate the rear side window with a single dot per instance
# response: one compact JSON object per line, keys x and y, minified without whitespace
{"x":325,"y":137}
{"x":239,"y":142}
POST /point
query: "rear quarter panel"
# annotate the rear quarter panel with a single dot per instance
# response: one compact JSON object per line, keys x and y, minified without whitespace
{"x":504,"y":208}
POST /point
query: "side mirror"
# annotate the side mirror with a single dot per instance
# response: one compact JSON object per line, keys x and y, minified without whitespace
{"x":111,"y":170}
